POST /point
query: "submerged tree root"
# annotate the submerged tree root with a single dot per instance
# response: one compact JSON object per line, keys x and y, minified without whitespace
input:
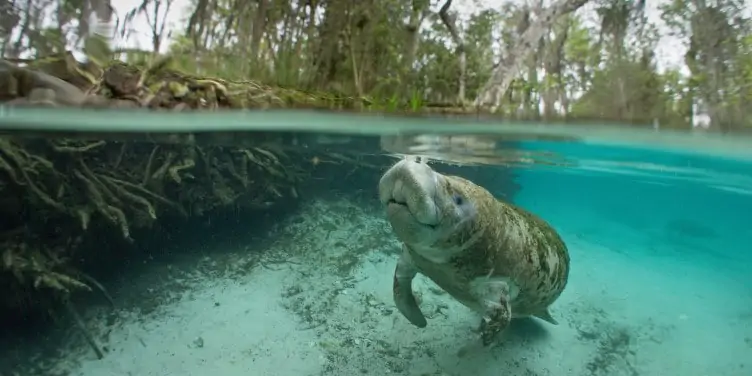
{"x":61,"y":180}
{"x":82,"y":326}
{"x":40,"y":269}
{"x":63,"y":189}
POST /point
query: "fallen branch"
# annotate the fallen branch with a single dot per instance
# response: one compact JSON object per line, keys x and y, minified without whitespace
{"x":99,"y":287}
{"x":82,"y":327}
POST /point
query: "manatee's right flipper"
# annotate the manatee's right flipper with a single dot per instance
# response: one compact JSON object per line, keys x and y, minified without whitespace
{"x":403,"y":290}
{"x":494,"y":296}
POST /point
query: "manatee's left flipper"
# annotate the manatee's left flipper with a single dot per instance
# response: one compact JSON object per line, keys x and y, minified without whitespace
{"x":404,"y":298}
{"x":494,"y":297}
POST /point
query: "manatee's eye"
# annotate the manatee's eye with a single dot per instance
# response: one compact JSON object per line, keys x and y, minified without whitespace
{"x":458,"y":200}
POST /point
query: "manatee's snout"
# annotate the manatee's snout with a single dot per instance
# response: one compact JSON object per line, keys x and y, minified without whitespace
{"x":410,"y":187}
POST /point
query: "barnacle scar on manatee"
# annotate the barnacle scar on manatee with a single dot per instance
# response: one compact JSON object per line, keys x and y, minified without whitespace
{"x":495,"y":258}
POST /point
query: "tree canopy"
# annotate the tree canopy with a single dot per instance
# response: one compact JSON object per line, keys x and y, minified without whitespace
{"x":534,"y":59}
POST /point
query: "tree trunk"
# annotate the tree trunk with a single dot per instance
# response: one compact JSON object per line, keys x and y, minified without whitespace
{"x":498,"y":84}
{"x":259,"y":25}
{"x":459,"y":44}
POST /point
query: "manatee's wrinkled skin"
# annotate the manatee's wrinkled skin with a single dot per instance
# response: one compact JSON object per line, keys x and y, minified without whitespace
{"x":492,"y":256}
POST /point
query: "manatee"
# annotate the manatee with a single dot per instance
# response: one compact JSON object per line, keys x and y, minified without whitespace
{"x":493,"y":257}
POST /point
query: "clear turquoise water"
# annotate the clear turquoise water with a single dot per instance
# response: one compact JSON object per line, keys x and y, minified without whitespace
{"x":675,"y":248}
{"x":658,"y":226}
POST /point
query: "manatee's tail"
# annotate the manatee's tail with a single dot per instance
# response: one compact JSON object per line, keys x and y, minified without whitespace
{"x":546,"y":316}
